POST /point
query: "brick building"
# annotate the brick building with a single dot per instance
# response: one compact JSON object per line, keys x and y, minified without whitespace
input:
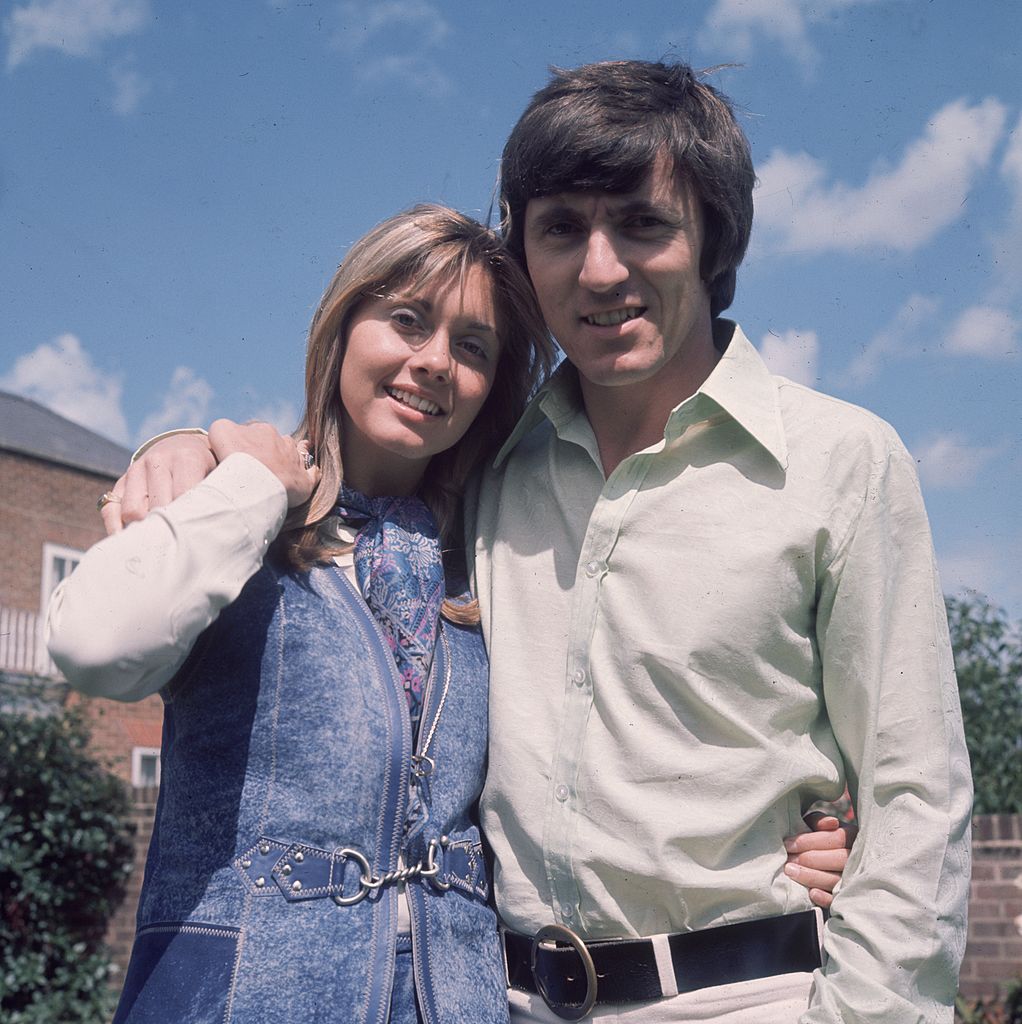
{"x":51,"y":473}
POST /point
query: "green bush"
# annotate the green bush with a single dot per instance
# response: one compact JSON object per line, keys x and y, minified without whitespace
{"x":65,"y":854}
{"x":1006,"y":1010}
{"x":988,"y":661}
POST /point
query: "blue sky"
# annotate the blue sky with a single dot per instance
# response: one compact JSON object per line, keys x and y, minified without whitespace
{"x":178,"y":182}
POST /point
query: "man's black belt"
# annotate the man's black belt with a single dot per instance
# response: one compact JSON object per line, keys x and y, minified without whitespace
{"x":572,"y":976}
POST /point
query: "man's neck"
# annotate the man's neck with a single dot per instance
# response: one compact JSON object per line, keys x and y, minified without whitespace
{"x":631,"y":417}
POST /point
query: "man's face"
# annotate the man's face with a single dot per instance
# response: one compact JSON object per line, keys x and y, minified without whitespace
{"x":617,"y":276}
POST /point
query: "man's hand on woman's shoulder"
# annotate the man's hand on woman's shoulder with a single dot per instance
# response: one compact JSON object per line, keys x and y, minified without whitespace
{"x":170,"y":464}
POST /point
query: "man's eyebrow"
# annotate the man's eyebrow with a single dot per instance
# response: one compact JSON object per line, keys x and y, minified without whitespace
{"x":661,"y":207}
{"x":621,"y":205}
{"x":557,"y":211}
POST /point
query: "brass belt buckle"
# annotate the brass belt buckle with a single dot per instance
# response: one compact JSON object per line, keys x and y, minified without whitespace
{"x":568,"y":1011}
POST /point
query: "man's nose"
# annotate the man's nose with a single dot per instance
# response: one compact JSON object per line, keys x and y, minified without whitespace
{"x":603,"y":267}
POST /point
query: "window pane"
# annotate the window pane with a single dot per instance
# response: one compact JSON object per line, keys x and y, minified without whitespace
{"x":148,"y":770}
{"x":63,"y":567}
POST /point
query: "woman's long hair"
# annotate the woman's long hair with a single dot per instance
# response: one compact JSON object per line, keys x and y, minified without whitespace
{"x":427,"y":246}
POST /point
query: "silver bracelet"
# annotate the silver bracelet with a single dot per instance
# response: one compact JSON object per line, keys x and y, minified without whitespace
{"x":146,"y":445}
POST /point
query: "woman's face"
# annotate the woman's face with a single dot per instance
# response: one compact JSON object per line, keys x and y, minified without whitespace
{"x":417,"y":368}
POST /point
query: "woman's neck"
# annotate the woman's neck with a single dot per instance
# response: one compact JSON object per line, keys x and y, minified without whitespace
{"x":377,"y":480}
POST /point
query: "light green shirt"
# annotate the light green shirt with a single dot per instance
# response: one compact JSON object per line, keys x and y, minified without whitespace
{"x":739,"y":621}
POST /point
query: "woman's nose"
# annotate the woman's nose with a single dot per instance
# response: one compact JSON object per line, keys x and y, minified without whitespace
{"x":434,"y":357}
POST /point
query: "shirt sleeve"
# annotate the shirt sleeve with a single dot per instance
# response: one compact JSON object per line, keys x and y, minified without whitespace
{"x":124,"y":621}
{"x":896,"y":937}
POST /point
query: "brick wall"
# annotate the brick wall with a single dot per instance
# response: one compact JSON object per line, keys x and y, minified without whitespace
{"x":993,"y":956}
{"x":121,"y":932}
{"x":42,"y":502}
{"x":116,"y":728}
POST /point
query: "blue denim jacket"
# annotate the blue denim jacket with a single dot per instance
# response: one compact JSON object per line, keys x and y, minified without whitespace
{"x":287,"y":759}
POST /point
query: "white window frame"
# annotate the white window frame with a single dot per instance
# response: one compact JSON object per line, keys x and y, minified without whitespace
{"x":49,"y":581}
{"x":137,"y":753}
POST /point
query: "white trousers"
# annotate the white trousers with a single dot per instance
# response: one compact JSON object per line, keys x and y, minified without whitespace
{"x":777,"y":1000}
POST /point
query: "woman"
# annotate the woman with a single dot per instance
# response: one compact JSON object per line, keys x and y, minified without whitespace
{"x":318,"y":751}
{"x":322,"y":751}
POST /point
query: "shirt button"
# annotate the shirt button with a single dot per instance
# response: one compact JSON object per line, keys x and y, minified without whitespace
{"x":561,"y":792}
{"x":578,"y":677}
{"x":593,"y":568}
{"x":567,"y":911}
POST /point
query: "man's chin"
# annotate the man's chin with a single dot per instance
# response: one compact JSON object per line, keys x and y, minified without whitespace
{"x":617,"y":373}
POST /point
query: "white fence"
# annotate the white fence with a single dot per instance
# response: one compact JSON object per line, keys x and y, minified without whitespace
{"x":22,"y":650}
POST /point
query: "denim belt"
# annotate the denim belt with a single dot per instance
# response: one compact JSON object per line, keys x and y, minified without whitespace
{"x":573,"y":976}
{"x":300,"y":872}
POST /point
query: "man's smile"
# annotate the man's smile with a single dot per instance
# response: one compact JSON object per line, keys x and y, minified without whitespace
{"x":613,"y":317}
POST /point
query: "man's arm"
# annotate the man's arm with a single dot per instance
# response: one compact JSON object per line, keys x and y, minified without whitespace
{"x":896,"y":935}
{"x":163,"y":469}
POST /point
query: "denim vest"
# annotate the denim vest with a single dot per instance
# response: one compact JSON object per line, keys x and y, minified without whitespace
{"x":285,"y":800}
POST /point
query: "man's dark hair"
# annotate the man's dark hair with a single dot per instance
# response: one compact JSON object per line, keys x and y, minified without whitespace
{"x":602,"y":126}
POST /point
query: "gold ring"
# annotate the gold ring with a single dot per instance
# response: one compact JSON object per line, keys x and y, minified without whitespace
{"x":106,"y":498}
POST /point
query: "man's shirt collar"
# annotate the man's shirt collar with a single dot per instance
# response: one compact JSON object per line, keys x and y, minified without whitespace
{"x":746,"y":390}
{"x":740,"y":385}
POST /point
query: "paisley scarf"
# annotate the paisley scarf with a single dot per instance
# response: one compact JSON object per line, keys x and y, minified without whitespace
{"x":400,"y":572}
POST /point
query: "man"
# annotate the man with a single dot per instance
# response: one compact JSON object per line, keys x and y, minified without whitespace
{"x":709,"y":599}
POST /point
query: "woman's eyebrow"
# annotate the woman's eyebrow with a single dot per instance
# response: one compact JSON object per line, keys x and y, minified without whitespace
{"x":427,"y":306}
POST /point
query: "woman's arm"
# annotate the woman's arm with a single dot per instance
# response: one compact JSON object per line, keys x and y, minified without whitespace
{"x":124,"y":621}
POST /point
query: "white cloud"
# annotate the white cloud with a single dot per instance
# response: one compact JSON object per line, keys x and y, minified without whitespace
{"x":793,"y":354}
{"x":984,"y":331}
{"x":185,"y":404}
{"x":948,"y":462}
{"x":419,"y":73}
{"x":1011,"y":164}
{"x":75,"y":27}
{"x":389,"y":42}
{"x":281,"y":413}
{"x":980,"y":331}
{"x":624,"y":43}
{"x":130,"y":88}
{"x":1007,"y":242}
{"x":61,"y":375}
{"x":901,"y":207}
{"x":734,"y":25}
{"x":898,"y":340}
{"x":362,"y":21}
